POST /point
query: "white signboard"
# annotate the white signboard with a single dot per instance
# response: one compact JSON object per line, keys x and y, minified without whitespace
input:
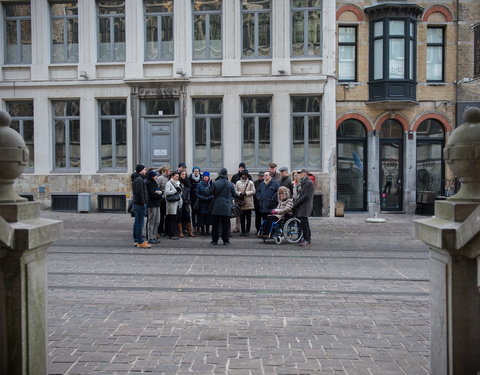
{"x":160,"y":152}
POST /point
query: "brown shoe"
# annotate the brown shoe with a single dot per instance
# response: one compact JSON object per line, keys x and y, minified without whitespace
{"x":144,"y":245}
{"x":190,"y":230}
{"x":180,"y":230}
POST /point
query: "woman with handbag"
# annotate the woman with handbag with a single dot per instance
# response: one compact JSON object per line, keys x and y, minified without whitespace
{"x":185,"y":221}
{"x":245,"y":190}
{"x":173,"y":197}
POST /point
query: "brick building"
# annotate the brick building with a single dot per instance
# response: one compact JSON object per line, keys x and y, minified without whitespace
{"x":396,"y":99}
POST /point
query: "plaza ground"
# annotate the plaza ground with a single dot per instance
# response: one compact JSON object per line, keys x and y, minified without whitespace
{"x":354,"y":302}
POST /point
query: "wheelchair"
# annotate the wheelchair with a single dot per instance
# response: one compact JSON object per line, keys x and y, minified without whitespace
{"x":288,"y":228}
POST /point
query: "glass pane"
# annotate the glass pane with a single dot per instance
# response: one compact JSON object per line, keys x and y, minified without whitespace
{"x":313,"y":142}
{"x":434,"y":63}
{"x":17,"y":10}
{"x":314,"y":33}
{"x":263,"y":141}
{"x":167,"y":37}
{"x":306,"y":104}
{"x":155,"y":106}
{"x":58,"y":109}
{"x":351,"y":129}
{"x":248,"y":34}
{"x":306,"y":3}
{"x":378,"y":29}
{"x":111,"y":7}
{"x":390,"y":176}
{"x":256,"y":4}
{"x":298,"y":34}
{"x":74,"y":144}
{"x":397,"y":59}
{"x":262,"y":105}
{"x":199,"y":43}
{"x":249,"y":141}
{"x":64,"y":9}
{"x":121,"y":142}
{"x":58,"y":50}
{"x":207,"y":106}
{"x":113,"y":107}
{"x":72,"y":108}
{"x":20,"y":109}
{"x":429,"y":167}
{"x":411,"y":68}
{"x":200,"y":151}
{"x":434,"y":35}
{"x":119,"y":38}
{"x":378,"y":59}
{"x":215,"y":142}
{"x":430,"y":129}
{"x":28,"y":137}
{"x":397,"y":27}
{"x":346,"y":62}
{"x":298,"y":154}
{"x":264,"y":34}
{"x":203,"y":5}
{"x":60,"y":149}
{"x":391,"y":129}
{"x":106,"y":160}
{"x":347,"y":34}
{"x":15,"y":125}
{"x":158,"y":6}
{"x":215,"y":36}
{"x":350,"y":172}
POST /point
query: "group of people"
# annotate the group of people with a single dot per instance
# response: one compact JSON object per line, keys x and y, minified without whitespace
{"x":177,"y":203}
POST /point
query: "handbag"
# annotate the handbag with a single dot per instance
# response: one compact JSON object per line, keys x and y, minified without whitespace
{"x":236,"y":211}
{"x":173,"y":198}
{"x":130,"y":207}
{"x":240,"y":201}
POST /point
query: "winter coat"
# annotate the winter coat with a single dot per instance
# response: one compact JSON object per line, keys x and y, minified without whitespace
{"x":248,"y":188}
{"x":139,"y":190}
{"x":223,"y":194}
{"x":256,"y":184}
{"x":285,"y":203}
{"x":267,"y":196}
{"x":237,"y":176}
{"x":162,"y":181}
{"x":173,"y":207}
{"x":204,"y":199}
{"x":287,"y":182}
{"x":153,"y":197}
{"x":304,"y":203}
{"x":193,"y":188}
{"x":186,"y":191}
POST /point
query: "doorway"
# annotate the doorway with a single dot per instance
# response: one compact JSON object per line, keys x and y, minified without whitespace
{"x":391,"y":166}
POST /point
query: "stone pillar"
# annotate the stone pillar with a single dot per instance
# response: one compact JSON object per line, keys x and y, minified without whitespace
{"x":453,"y":235}
{"x":24,"y":238}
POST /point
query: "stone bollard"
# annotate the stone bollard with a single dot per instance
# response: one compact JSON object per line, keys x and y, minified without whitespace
{"x":24,"y":238}
{"x":453,"y":236}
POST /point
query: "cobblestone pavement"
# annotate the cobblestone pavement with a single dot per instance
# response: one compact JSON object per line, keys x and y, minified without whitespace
{"x":354,"y":302}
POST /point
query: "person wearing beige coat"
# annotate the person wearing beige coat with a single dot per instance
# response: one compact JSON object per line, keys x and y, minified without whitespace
{"x":245,"y":190}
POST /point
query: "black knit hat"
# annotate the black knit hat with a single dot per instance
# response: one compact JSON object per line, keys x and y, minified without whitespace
{"x":139,"y":168}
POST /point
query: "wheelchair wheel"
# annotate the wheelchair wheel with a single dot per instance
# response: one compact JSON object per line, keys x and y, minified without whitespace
{"x":292,"y":230}
{"x":278,"y":239}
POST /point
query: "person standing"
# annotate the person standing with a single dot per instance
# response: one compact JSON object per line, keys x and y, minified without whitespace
{"x":204,"y":200}
{"x":194,"y":179}
{"x":303,"y":205}
{"x":258,"y":216}
{"x":237,"y":176}
{"x":154,"y":197}
{"x":173,"y":207}
{"x":223,"y":193}
{"x":285,"y":179}
{"x":162,"y":181}
{"x":139,"y":198}
{"x":186,"y":210}
{"x":245,"y":190}
{"x":273,"y":172}
{"x":267,"y":195}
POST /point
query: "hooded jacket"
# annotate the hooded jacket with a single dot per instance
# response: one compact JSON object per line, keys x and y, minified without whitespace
{"x":139,"y":190}
{"x":223,"y":193}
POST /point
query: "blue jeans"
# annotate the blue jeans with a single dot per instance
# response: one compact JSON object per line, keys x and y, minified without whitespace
{"x":139,"y":213}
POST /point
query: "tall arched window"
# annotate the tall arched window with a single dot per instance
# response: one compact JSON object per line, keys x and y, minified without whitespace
{"x":351,"y":168}
{"x":430,"y":163}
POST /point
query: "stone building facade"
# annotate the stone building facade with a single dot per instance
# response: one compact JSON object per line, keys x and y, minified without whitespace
{"x":96,"y":86}
{"x":397,"y":100}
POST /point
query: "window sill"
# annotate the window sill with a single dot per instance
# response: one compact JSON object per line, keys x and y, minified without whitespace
{"x":64,"y":64}
{"x":112,"y":171}
{"x":64,"y":171}
{"x":436,"y":83}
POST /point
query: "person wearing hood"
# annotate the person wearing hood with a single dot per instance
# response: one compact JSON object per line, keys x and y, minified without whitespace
{"x":154,"y":198}
{"x":223,"y":193}
{"x":194,"y":178}
{"x":139,"y":200}
{"x":204,"y":200}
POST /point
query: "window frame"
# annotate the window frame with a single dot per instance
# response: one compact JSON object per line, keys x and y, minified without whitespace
{"x":21,"y":129}
{"x":256,"y":116}
{"x":442,"y":46}
{"x":306,"y":116}
{"x":111,"y":42}
{"x":256,"y":14}
{"x":160,"y":19}
{"x":66,"y":120}
{"x":207,"y":39}
{"x":19,"y":58}
{"x":112,"y":119}
{"x":66,"y":19}
{"x":305,"y":11}
{"x":207,"y":117}
{"x":349,"y":44}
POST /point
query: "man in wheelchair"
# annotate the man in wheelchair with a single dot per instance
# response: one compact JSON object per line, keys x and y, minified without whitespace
{"x":275,"y":225}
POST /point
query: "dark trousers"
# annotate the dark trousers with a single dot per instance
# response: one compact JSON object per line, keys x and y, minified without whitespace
{"x":246,"y":220}
{"x":139,"y":211}
{"x":163,"y":212}
{"x":258,"y":220}
{"x":225,"y":221}
{"x":305,"y":228}
{"x":171,"y":225}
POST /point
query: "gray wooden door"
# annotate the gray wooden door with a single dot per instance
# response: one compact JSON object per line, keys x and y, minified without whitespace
{"x":158,"y":140}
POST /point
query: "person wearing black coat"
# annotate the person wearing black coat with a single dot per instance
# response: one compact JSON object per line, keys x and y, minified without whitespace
{"x":267,"y":195}
{"x":154,"y":198}
{"x":303,"y":205}
{"x":204,"y":200}
{"x":194,"y":179}
{"x":139,"y":200}
{"x":223,"y":193}
{"x":258,"y":215}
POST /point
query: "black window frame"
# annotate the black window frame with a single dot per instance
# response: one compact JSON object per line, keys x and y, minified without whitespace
{"x":442,"y":45}
{"x":355,"y":45}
